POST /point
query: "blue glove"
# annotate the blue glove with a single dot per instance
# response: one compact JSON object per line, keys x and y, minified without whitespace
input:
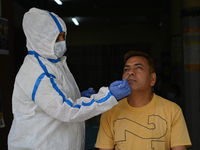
{"x":120,"y":89}
{"x":88,"y":93}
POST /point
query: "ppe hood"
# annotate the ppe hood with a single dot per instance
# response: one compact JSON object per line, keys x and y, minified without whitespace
{"x":41,"y":29}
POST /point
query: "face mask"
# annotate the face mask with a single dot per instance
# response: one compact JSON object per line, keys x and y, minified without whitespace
{"x":60,"y":48}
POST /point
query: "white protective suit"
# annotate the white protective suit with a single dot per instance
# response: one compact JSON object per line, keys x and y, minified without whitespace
{"x":49,"y":113}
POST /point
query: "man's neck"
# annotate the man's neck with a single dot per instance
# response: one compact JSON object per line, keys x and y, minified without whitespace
{"x":139,"y":99}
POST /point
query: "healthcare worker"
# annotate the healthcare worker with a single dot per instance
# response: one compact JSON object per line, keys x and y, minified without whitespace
{"x":49,"y":112}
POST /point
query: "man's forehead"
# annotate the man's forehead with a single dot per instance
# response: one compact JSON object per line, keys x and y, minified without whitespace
{"x":135,"y":64}
{"x":136,"y":60}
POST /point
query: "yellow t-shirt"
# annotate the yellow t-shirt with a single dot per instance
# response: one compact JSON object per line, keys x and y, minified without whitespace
{"x":160,"y":125}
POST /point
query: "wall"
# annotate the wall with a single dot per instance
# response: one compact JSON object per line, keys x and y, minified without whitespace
{"x":7,"y":74}
{"x":191,"y":53}
{"x":157,"y":36}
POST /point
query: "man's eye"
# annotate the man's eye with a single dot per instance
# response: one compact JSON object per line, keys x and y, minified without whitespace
{"x":139,"y":67}
{"x":126,"y":69}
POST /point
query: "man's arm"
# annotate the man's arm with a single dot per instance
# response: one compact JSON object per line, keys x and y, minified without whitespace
{"x":179,"y":148}
{"x":173,"y":148}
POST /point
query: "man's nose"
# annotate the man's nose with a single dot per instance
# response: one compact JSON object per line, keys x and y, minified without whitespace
{"x":131,"y":72}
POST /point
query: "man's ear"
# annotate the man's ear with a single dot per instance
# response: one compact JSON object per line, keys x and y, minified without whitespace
{"x":153,"y":78}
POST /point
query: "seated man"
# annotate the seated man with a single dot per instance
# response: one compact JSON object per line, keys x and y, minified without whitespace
{"x":143,"y":120}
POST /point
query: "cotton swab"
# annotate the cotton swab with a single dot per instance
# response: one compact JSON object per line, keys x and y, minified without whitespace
{"x":125,"y":78}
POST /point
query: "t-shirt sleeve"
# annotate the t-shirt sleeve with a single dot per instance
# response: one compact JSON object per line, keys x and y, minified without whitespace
{"x":179,"y":131}
{"x":105,"y":134}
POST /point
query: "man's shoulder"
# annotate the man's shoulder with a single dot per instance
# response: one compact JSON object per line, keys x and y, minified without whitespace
{"x":166,"y":103}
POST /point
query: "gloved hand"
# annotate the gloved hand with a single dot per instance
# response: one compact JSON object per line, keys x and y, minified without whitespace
{"x":88,"y":93}
{"x":120,"y":89}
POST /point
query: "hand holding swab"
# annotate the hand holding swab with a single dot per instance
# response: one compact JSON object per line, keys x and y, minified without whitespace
{"x":125,"y":78}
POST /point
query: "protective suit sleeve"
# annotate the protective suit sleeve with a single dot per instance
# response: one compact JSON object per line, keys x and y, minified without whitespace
{"x":69,"y":110}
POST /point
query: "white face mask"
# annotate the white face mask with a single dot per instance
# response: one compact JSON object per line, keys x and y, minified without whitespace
{"x":60,"y":48}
